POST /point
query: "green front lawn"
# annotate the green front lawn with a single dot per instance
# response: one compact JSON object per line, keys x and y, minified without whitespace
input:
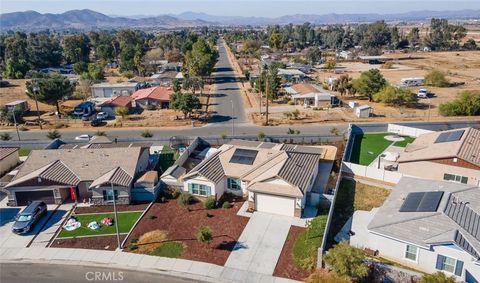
{"x":125,"y":223}
{"x":306,"y":246}
{"x":367,"y":147}
{"x":24,"y":151}
{"x":169,"y":249}
{"x":405,"y":142}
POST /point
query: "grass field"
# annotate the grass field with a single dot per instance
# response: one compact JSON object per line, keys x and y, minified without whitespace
{"x":367,"y":147}
{"x":24,"y":151}
{"x":125,"y":223}
{"x":405,"y":142}
{"x":305,"y":247}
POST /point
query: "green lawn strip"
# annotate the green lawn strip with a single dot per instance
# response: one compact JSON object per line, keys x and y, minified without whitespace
{"x":125,"y":223}
{"x":367,"y":147}
{"x":169,"y":249}
{"x":405,"y":142}
{"x":24,"y":151}
{"x":306,"y":246}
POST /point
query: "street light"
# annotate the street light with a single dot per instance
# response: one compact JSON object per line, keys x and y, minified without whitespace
{"x":35,"y":90}
{"x":15,"y":122}
{"x":116,"y":217}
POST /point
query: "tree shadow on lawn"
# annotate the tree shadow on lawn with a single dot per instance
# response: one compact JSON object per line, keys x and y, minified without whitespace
{"x":225,"y":245}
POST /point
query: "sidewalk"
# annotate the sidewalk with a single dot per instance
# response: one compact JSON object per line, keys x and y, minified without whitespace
{"x":135,"y":262}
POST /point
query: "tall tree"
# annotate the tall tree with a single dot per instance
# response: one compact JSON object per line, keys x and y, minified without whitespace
{"x":76,"y":48}
{"x":185,"y":102}
{"x":313,"y":55}
{"x":51,"y":88}
{"x":369,"y":83}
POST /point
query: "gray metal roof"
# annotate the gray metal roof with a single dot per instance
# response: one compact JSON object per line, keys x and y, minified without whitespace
{"x":116,"y":176}
{"x":6,"y":151}
{"x":470,"y":149}
{"x":210,"y":168}
{"x":299,"y":169}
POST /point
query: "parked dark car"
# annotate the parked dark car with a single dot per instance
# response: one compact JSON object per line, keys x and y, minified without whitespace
{"x":26,"y":220}
{"x":96,"y":122}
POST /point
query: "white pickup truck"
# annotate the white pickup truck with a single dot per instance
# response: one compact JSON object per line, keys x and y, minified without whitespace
{"x":423,"y":93}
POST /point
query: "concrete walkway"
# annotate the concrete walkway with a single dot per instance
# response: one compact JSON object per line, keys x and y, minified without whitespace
{"x":135,"y":262}
{"x":260,"y":244}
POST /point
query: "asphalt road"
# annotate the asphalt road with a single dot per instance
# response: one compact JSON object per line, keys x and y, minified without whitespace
{"x":228,"y":100}
{"x":50,"y":273}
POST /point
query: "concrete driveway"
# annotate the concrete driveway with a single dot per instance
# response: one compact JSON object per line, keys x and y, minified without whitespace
{"x":8,"y":239}
{"x":260,"y":244}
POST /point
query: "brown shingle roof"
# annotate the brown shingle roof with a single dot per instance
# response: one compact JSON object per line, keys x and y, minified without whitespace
{"x":55,"y":171}
{"x":118,"y":101}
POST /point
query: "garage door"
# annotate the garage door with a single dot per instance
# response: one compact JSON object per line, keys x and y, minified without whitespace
{"x":24,"y":197}
{"x":275,"y":204}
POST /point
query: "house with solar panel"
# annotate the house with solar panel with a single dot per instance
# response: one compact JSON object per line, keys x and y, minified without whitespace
{"x":274,"y":178}
{"x":427,"y":225}
{"x":449,"y":155}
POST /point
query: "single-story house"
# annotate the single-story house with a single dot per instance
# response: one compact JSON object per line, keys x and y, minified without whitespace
{"x":9,"y":158}
{"x":112,"y":104}
{"x":305,"y":68}
{"x":158,"y":96}
{"x":311,"y":95}
{"x":164,"y":78}
{"x":275,"y":178}
{"x":105,"y":90}
{"x":18,"y":106}
{"x":452,"y":155}
{"x":427,"y":225}
{"x":291,"y":75}
{"x":88,"y":174}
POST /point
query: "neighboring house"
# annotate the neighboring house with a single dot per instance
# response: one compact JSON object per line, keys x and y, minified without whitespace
{"x":164,"y":78}
{"x":9,"y":158}
{"x":449,"y":155}
{"x":110,"y":106}
{"x":428,"y":225}
{"x":51,"y":175}
{"x":291,"y":75}
{"x":311,"y":95}
{"x":305,"y":68}
{"x":105,"y":90}
{"x":275,"y":178}
{"x":158,"y":96}
{"x":19,"y":106}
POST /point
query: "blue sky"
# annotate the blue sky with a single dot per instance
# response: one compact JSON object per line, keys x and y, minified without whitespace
{"x":266,"y":8}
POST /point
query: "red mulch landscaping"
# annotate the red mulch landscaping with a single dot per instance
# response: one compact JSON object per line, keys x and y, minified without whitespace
{"x":286,"y":266}
{"x":109,"y":208}
{"x":94,"y":243}
{"x":180,"y":224}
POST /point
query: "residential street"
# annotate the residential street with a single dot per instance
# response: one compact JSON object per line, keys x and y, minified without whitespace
{"x":51,"y":273}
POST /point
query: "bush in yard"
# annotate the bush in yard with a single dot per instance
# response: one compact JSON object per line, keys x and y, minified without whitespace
{"x":261,"y":135}
{"x":23,"y":128}
{"x":205,"y":235}
{"x":5,"y":137}
{"x":170,"y":193}
{"x":438,"y":277}
{"x":169,"y":249}
{"x":101,"y":133}
{"x":150,"y":241}
{"x":146,"y":134}
{"x":209,"y":203}
{"x":395,"y":96}
{"x":466,"y":104}
{"x":185,"y":199}
{"x":54,"y":134}
{"x":226,"y":205}
{"x":325,"y":276}
{"x":436,"y":78}
{"x":347,"y":261}
{"x":122,"y":112}
{"x":151,"y":107}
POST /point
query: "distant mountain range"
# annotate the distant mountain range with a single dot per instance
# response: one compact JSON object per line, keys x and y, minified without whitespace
{"x":88,"y":19}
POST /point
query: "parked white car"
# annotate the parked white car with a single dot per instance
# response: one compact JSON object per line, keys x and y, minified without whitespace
{"x":423,"y":93}
{"x":102,"y":115}
{"x":84,"y":137}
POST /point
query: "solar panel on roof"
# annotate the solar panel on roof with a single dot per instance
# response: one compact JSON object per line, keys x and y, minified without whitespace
{"x":450,"y":136}
{"x":243,"y":156}
{"x":422,"y":202}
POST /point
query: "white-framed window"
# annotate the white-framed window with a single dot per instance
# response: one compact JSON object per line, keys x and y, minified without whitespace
{"x":455,"y":178}
{"x":449,"y":264}
{"x":411,"y":252}
{"x":199,"y":189}
{"x":233,"y":184}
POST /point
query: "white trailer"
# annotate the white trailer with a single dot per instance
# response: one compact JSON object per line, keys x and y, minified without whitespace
{"x":405,"y":82}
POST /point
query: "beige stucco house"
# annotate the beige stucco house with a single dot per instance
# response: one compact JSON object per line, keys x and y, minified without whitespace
{"x":90,"y":173}
{"x":275,"y":178}
{"x":449,"y":155}
{"x":9,"y":158}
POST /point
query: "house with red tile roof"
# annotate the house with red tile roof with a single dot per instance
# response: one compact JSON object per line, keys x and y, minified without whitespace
{"x":112,"y":104}
{"x":158,"y":97}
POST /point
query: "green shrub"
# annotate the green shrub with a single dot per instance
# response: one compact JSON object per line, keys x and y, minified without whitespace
{"x":146,"y":134}
{"x":205,"y":235}
{"x":466,"y":104}
{"x":185,"y":199}
{"x":53,"y":134}
{"x":170,"y":193}
{"x":436,"y":78}
{"x":226,"y":205}
{"x":395,"y":96}
{"x":23,"y":128}
{"x":101,"y":133}
{"x":152,"y":217}
{"x":60,"y":125}
{"x":5,"y":137}
{"x":209,"y":203}
{"x":132,"y":247}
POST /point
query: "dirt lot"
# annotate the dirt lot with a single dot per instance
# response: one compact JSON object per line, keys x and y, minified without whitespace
{"x":182,"y":224}
{"x":286,"y":267}
{"x":95,"y":243}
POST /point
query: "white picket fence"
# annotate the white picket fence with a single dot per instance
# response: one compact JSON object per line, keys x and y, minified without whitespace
{"x":407,"y":131}
{"x":371,"y":172}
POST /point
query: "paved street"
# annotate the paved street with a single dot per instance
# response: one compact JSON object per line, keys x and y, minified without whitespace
{"x":260,"y":243}
{"x":228,"y":98}
{"x":52,"y":273}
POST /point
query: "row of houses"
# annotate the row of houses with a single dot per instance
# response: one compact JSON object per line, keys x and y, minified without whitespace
{"x":431,"y":219}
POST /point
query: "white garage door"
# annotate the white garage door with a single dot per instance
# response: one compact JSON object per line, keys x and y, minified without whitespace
{"x":275,"y":204}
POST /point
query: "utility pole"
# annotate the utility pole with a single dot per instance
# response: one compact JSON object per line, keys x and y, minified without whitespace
{"x":116,"y":218}
{"x":266,"y":94}
{"x":15,"y":122}
{"x":233,"y":119}
{"x":35,"y":89}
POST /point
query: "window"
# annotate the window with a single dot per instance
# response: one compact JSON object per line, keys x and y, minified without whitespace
{"x":455,"y":178}
{"x":411,"y":252}
{"x":198,"y":189}
{"x":108,"y":195}
{"x":233,"y":184}
{"x":449,"y":264}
